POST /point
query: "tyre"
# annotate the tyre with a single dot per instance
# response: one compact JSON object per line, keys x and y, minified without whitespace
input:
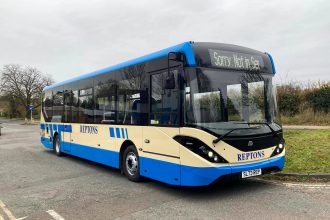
{"x":131,"y":164}
{"x":57,"y":146}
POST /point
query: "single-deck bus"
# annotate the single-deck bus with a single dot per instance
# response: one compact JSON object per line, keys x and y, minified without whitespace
{"x":187,"y":115}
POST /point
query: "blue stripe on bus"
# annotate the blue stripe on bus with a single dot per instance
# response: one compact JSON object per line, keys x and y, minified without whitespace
{"x":68,"y":128}
{"x":122,"y":133}
{"x":118,"y":132}
{"x":126,"y":133}
{"x":47,"y":143}
{"x":57,"y":127}
{"x":103,"y":156}
{"x":51,"y":130}
{"x":185,"y":48}
{"x":42,"y":126}
{"x":112,"y":132}
{"x":167,"y":172}
{"x":272,"y":62}
{"x":201,"y":176}
{"x":160,"y":170}
{"x":60,"y":128}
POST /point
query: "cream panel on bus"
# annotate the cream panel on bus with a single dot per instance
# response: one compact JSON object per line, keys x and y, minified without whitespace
{"x":134,"y":134}
{"x":103,"y":139}
{"x":66,"y":136}
{"x":91,"y":136}
{"x":158,"y":143}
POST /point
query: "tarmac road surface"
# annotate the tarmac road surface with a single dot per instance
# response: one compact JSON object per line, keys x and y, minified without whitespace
{"x":35,"y":184}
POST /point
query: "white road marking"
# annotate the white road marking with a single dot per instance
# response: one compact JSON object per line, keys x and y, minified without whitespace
{"x":55,"y":215}
{"x":7,"y":211}
{"x":22,"y":218}
{"x":297,"y":185}
{"x":310,"y":186}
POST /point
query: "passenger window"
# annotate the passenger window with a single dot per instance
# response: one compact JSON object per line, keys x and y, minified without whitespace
{"x":58,"y":105}
{"x":67,"y":104}
{"x":86,"y":108}
{"x":47,"y":106}
{"x":132,"y":99}
{"x":105,"y":108}
{"x":164,"y":102}
{"x":75,"y":107}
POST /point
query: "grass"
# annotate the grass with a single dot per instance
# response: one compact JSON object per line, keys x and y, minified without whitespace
{"x":307,"y":151}
{"x":307,"y":117}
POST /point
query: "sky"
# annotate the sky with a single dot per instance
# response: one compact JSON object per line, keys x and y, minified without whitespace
{"x":67,"y":38}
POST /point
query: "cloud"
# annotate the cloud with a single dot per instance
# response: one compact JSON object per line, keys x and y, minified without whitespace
{"x":69,"y":38}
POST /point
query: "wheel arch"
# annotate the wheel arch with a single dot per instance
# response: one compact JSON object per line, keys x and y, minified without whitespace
{"x":123,"y":147}
{"x":54,"y":136}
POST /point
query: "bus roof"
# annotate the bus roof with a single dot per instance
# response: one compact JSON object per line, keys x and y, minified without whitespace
{"x":185,"y":48}
{"x":189,"y":48}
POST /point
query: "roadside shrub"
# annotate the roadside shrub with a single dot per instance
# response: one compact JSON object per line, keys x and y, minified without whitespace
{"x":319,"y":98}
{"x":289,"y":99}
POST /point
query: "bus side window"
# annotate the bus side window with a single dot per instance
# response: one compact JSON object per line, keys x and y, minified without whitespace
{"x":131,"y":96}
{"x":67,"y":104}
{"x":105,"y":106}
{"x":164,"y":102}
{"x":58,"y":107}
{"x":86,"y":106}
{"x":47,"y":106}
{"x":75,"y":106}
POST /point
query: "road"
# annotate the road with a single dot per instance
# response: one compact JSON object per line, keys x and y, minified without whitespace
{"x":35,"y":184}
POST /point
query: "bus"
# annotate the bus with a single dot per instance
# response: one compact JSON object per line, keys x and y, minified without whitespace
{"x":189,"y":115}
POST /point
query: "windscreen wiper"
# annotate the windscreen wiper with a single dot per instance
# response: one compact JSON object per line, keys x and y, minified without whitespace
{"x":275,"y":134}
{"x":226,"y":134}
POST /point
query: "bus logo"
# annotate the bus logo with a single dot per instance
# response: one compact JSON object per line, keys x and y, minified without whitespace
{"x":250,"y":143}
{"x":88,"y":129}
{"x":250,"y":155}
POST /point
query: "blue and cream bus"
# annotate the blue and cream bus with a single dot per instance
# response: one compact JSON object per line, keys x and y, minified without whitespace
{"x":187,"y":115}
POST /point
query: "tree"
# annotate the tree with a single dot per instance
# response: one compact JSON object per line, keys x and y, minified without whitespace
{"x":24,"y":85}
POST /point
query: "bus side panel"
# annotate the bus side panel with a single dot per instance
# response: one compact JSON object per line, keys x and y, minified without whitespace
{"x":93,"y":142}
{"x":45,"y":137}
{"x":160,"y":170}
{"x":160,"y":158}
{"x":106,"y":157}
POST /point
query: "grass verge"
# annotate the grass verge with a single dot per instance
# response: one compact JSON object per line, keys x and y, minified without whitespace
{"x":307,"y":151}
{"x":307,"y":117}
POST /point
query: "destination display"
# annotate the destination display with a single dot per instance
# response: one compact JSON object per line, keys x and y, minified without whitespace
{"x":232,"y":60}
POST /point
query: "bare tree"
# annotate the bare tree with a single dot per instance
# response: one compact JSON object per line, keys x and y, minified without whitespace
{"x":23,"y":84}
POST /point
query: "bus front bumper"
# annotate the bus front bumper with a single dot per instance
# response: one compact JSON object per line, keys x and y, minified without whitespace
{"x":202,"y":176}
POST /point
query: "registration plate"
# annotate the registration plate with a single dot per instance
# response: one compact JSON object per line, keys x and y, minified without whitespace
{"x":250,"y":173}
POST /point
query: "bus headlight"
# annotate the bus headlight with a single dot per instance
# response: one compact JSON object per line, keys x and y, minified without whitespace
{"x":200,"y":148}
{"x":280,"y":146}
{"x":279,"y":149}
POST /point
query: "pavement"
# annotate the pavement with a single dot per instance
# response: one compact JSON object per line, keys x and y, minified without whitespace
{"x":35,"y":184}
{"x":306,"y":127}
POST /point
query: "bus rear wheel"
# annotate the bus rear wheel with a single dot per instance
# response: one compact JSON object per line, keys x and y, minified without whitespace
{"x":57,"y":146}
{"x":131,"y":164}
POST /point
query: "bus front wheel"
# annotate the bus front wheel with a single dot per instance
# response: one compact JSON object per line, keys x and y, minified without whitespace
{"x":131,"y":164}
{"x":57,"y":146}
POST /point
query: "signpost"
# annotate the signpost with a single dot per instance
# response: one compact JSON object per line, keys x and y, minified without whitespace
{"x":31,"y":110}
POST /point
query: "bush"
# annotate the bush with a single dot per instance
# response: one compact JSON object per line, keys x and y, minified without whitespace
{"x":319,"y":98}
{"x":304,"y":104}
{"x":289,"y":99}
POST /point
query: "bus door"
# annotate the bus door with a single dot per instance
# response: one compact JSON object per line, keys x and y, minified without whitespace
{"x":161,"y":152}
